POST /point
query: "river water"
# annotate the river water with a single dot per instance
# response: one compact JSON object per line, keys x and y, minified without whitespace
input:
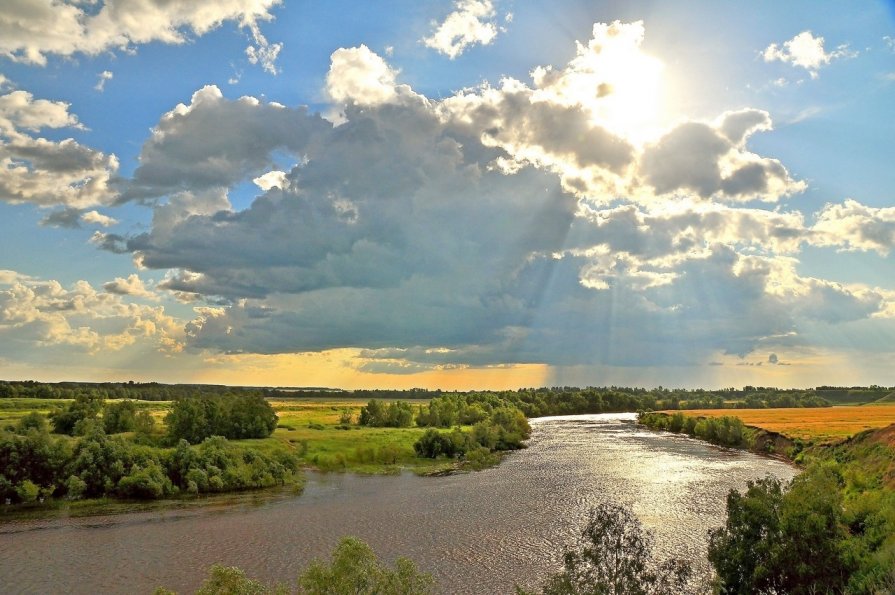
{"x":477,"y":533}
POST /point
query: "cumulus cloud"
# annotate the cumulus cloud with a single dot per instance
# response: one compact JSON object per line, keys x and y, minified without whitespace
{"x":214,"y":143}
{"x":502,"y":224}
{"x":110,"y":242}
{"x":806,"y":51}
{"x":44,"y":172}
{"x":31,"y":31}
{"x":711,"y":160}
{"x":45,"y":314}
{"x":97,"y":218}
{"x":471,"y":23}
{"x":853,"y":226}
{"x":359,"y":76}
{"x":133,"y":285}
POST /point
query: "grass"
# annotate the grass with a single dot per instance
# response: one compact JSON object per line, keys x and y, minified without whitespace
{"x":822,"y":424}
{"x":311,"y":429}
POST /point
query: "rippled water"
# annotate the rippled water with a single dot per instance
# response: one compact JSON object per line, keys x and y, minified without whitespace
{"x":477,"y":533}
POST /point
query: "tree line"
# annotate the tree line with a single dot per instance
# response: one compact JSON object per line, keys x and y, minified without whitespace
{"x":102,"y":462}
{"x":560,"y":400}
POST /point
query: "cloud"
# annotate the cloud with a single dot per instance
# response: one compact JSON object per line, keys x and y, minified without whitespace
{"x":78,"y":319}
{"x":110,"y":242}
{"x":31,"y":31}
{"x":358,"y":76}
{"x":44,"y":172}
{"x":97,"y":218}
{"x":63,"y":218}
{"x":503,"y":224}
{"x":263,"y":52}
{"x":806,"y":51}
{"x":133,"y":285}
{"x":103,"y":77}
{"x":853,"y":226}
{"x":471,"y":23}
{"x":711,"y":160}
{"x":73,"y":218}
{"x":213,"y":143}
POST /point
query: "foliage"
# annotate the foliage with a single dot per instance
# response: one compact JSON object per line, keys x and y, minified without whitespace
{"x":564,"y":400}
{"x":98,"y":465}
{"x":120,"y":417}
{"x":397,"y":414}
{"x":31,"y":421}
{"x":614,"y":557}
{"x":86,"y":406}
{"x":354,"y":568}
{"x":230,"y":580}
{"x":195,"y":419}
{"x":504,"y":428}
{"x":777,"y":541}
{"x":725,"y":431}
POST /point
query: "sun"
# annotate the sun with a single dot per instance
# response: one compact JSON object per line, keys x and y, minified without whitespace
{"x":611,"y":77}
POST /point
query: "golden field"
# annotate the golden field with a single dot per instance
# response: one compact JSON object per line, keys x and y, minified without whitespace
{"x":822,"y":423}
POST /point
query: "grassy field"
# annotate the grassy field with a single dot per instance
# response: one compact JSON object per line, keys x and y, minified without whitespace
{"x":815,"y":424}
{"x":312,"y":429}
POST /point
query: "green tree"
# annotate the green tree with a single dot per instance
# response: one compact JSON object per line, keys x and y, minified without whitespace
{"x":120,"y":417}
{"x":229,"y":580}
{"x":32,"y":421}
{"x":777,"y":541}
{"x":614,"y":557}
{"x":354,"y":568}
{"x":86,"y":406}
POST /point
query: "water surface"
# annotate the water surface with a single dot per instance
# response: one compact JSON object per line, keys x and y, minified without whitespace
{"x":477,"y":533}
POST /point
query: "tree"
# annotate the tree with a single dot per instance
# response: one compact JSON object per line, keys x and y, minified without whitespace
{"x":614,"y":557}
{"x":120,"y":417}
{"x":230,"y":580}
{"x":777,"y":541}
{"x":354,"y":568}
{"x":86,"y":406}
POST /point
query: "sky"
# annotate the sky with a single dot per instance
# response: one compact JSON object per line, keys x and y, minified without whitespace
{"x":463,"y":194}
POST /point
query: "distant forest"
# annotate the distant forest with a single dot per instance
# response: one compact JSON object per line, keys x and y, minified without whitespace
{"x":532,"y":401}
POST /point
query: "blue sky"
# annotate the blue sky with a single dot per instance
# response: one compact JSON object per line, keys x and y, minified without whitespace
{"x":462,"y":194}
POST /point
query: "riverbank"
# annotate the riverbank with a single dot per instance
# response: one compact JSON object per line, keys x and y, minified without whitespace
{"x":846,"y":491}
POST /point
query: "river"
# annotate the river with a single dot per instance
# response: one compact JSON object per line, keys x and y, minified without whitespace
{"x":476,"y":532}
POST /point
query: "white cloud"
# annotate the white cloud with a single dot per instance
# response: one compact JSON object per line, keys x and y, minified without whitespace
{"x":807,"y":51}
{"x":45,"y":172}
{"x":31,"y":31}
{"x":19,"y":110}
{"x":272,"y":179}
{"x":471,"y":23}
{"x":97,"y":218}
{"x":853,"y":226}
{"x":133,"y":285}
{"x":102,"y":78}
{"x":263,"y":52}
{"x":359,"y":76}
{"x":47,"y":315}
